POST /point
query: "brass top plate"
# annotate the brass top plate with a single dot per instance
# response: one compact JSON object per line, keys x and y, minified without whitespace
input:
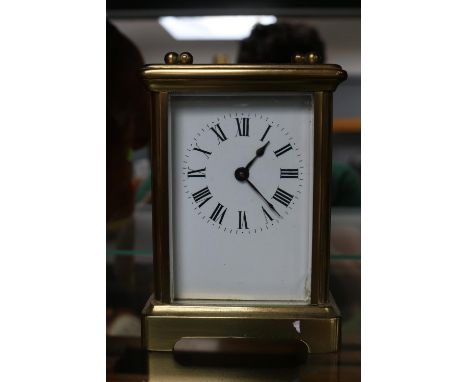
{"x":167,"y":78}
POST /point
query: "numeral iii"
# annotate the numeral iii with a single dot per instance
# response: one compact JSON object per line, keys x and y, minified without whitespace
{"x":289,"y":173}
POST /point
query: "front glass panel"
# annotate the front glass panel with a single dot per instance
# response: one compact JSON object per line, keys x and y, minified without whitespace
{"x":241,"y":172}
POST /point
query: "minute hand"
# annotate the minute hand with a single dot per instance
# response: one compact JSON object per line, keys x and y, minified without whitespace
{"x":258,"y":192}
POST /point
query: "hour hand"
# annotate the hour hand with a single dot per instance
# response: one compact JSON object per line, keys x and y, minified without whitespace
{"x":258,"y":153}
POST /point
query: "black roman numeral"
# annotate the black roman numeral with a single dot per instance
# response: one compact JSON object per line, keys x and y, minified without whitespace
{"x":265,"y":133}
{"x":289,"y":173}
{"x":219,"y":133}
{"x":242,"y":220}
{"x":197,"y":173}
{"x":202,"y":196}
{"x":218,"y":213}
{"x":283,"y":150}
{"x":283,"y":197}
{"x":206,"y":153}
{"x":244,"y":130}
{"x":266,"y":215}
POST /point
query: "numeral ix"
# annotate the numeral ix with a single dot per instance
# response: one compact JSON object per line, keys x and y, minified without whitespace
{"x":197,"y":173}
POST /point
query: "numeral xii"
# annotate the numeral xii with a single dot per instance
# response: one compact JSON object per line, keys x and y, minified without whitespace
{"x":243,"y":128}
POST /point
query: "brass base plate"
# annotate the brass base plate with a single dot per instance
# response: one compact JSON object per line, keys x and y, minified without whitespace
{"x":319,"y":327}
{"x":162,"y":367}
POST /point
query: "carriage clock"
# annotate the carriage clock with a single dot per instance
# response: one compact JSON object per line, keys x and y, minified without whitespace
{"x":241,"y":164}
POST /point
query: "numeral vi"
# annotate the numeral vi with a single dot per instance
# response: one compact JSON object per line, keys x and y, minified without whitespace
{"x":242,"y":220}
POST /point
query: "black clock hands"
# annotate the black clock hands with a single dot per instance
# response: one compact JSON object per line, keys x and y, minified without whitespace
{"x":258,"y":154}
{"x":242,"y":175}
{"x":266,"y":201}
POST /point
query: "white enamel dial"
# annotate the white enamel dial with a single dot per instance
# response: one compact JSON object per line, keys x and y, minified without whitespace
{"x":262,"y":190}
{"x":241,"y":187}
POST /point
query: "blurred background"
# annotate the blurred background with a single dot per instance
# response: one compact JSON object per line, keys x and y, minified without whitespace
{"x":142,"y":32}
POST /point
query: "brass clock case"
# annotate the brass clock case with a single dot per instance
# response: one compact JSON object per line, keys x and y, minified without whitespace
{"x":165,"y":322}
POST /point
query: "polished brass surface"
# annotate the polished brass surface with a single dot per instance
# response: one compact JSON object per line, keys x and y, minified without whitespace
{"x":160,"y":197}
{"x":185,"y":58}
{"x":187,"y":78}
{"x":312,"y":58}
{"x":231,"y":351}
{"x":162,"y":367}
{"x":165,"y":322}
{"x":171,"y":58}
{"x":298,"y":58}
{"x":317,"y":326}
{"x":322,"y":213}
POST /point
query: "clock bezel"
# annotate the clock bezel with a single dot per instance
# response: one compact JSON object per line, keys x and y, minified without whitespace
{"x":320,"y":80}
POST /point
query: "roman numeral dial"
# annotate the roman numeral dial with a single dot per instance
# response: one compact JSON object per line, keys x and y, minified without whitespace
{"x":242,"y":173}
